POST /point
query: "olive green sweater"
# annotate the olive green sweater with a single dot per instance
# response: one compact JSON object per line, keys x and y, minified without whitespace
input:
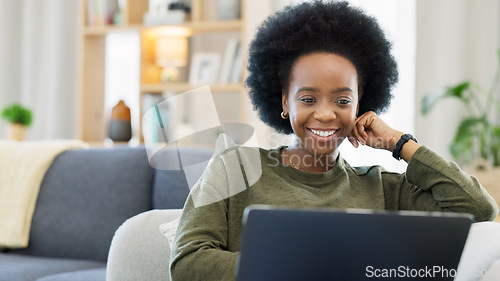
{"x":208,"y":237}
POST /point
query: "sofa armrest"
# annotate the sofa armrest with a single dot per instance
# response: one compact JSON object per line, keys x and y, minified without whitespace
{"x":481,"y":253}
{"x":138,"y":250}
{"x":493,"y":273}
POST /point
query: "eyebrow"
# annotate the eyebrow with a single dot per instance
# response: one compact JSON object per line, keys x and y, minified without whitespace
{"x":311,"y":89}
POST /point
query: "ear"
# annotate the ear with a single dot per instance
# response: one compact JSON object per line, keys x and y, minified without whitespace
{"x":284,"y":101}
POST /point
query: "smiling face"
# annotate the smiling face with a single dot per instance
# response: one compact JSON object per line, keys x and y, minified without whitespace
{"x":322,"y":102}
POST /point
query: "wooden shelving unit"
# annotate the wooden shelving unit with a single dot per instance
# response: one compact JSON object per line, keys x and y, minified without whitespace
{"x":92,"y":124}
{"x":182,"y":87}
{"x":195,"y":27}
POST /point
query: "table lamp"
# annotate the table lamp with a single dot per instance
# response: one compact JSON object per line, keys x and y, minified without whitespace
{"x":171,"y":53}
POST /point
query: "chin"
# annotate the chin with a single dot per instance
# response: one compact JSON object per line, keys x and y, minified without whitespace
{"x":324,"y":148}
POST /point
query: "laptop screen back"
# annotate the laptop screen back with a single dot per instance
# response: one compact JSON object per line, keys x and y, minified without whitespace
{"x":318,"y":244}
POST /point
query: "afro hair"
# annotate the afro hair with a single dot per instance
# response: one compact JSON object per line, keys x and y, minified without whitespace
{"x":333,"y":27}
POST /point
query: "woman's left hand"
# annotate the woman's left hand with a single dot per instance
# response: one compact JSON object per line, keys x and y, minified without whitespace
{"x":370,"y":130}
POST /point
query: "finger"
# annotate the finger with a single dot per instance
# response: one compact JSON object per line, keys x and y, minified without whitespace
{"x":353,"y":141}
{"x":361,"y":131}
{"x":356,"y":136}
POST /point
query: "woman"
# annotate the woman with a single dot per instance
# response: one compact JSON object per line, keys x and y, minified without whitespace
{"x":320,"y":71}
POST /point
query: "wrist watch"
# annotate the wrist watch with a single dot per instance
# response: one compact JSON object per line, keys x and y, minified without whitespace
{"x":399,"y":145}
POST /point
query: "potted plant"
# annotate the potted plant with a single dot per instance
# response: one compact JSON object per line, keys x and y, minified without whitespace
{"x":476,"y":144}
{"x":19,"y":118}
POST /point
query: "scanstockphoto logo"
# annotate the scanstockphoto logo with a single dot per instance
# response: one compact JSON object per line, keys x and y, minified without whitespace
{"x":190,"y":119}
{"x":438,"y":272}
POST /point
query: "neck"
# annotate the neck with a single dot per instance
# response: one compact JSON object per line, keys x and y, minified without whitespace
{"x":309,"y":161}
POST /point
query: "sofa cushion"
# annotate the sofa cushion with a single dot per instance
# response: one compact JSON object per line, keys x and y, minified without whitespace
{"x":97,"y":274}
{"x":26,"y":268}
{"x":170,"y":188}
{"x":85,"y":196}
{"x":139,"y":251}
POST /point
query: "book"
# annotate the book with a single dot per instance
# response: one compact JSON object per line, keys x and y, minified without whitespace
{"x":150,"y":130}
{"x":228,"y":61}
{"x":237,"y":66}
{"x":90,"y":13}
{"x":109,"y":9}
{"x":101,"y":12}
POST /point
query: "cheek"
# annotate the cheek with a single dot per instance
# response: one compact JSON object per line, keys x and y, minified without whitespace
{"x":294,"y":119}
{"x":292,"y":110}
{"x":349,"y":118}
{"x":297,"y":118}
{"x":298,"y":113}
{"x":351,"y":125}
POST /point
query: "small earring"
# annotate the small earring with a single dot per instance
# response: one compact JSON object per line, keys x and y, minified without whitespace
{"x":284,"y":115}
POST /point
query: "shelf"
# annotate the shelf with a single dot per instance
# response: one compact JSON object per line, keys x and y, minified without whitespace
{"x":194,"y":27}
{"x":183,"y":87}
{"x":200,"y":26}
{"x":215,"y":26}
{"x":105,"y":29}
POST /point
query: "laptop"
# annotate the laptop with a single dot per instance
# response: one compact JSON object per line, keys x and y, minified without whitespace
{"x":291,"y":244}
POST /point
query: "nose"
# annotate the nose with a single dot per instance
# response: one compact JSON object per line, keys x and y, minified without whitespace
{"x":324,"y":113}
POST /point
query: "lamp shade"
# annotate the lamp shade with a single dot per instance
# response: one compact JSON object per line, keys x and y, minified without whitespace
{"x":171,"y":51}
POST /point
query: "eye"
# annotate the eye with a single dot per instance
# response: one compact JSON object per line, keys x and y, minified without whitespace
{"x":307,"y":100}
{"x":343,"y":102}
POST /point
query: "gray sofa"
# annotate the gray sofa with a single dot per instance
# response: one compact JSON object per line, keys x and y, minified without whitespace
{"x":84,"y":197}
{"x":99,"y":211}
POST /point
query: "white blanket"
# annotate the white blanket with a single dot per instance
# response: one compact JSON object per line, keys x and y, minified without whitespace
{"x":22,"y":169}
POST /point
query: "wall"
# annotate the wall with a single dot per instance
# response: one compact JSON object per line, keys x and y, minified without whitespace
{"x":38,"y":63}
{"x":258,"y":11}
{"x":10,"y":57}
{"x":456,"y":40}
{"x":398,"y":21}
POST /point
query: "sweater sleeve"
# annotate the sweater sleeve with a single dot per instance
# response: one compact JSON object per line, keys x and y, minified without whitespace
{"x":434,"y":184}
{"x":200,"y":245}
{"x":200,"y":250}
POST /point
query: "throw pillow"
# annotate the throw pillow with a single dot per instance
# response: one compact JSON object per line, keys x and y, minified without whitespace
{"x":168,"y":230}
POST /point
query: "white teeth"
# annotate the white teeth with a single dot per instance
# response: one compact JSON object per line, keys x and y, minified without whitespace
{"x":323,"y":133}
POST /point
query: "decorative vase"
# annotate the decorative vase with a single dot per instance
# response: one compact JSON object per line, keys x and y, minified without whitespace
{"x":16,"y":131}
{"x":120,"y":128}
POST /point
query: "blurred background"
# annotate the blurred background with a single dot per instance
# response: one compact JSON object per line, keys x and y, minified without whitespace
{"x":72,"y":61}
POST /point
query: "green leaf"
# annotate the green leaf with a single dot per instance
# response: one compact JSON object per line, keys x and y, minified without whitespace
{"x":466,"y":129}
{"x":457,"y":91}
{"x":495,"y":147}
{"x":430,"y":100}
{"x":17,"y":114}
{"x":483,"y":147}
{"x":462,"y":147}
{"x":496,"y":131}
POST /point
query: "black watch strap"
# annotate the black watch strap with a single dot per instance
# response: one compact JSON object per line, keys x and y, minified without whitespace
{"x":399,"y":145}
